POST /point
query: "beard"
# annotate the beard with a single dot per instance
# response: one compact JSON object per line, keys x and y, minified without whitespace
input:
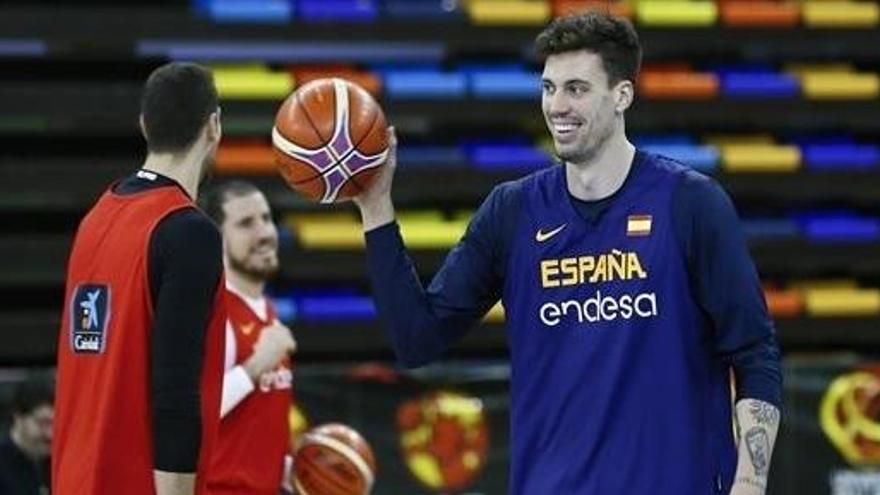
{"x":261,"y":273}
{"x":587,"y":150}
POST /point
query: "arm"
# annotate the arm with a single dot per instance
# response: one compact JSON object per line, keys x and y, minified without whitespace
{"x":237,"y":384}
{"x":758,"y":423}
{"x":286,"y":486}
{"x":185,"y":265}
{"x":174,"y":483}
{"x":421,"y":323}
{"x":729,"y":291}
{"x":274,"y":343}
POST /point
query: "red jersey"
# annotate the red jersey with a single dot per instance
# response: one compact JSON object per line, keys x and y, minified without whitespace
{"x":103,"y":428}
{"x":255,"y":434}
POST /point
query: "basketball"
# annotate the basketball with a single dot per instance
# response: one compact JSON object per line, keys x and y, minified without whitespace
{"x":333,"y":459}
{"x":329,"y":140}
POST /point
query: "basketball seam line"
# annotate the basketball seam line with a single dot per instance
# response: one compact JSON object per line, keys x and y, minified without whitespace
{"x":354,"y":180}
{"x":326,"y":478}
{"x":305,"y":109}
{"x":355,"y":145}
{"x":318,"y":174}
{"x":348,"y":452}
{"x":341,"y":128}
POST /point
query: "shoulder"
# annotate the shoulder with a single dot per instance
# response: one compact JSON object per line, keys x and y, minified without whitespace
{"x":540,"y":177}
{"x":9,"y":453}
{"x":690,"y":185}
{"x":187,"y":236}
{"x":513,"y":191}
{"x":188,"y":225}
{"x":508,"y":191}
{"x":665,"y":166}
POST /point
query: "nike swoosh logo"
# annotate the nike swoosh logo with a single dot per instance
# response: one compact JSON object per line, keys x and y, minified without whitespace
{"x":542,"y":236}
{"x":247,"y":329}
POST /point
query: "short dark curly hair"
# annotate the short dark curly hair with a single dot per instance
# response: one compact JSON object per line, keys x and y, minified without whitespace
{"x":613,"y":38}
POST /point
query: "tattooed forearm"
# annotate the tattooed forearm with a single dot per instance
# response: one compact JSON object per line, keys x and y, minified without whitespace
{"x":753,"y":482}
{"x":758,"y":423}
{"x":758,"y":444}
{"x":763,"y":413}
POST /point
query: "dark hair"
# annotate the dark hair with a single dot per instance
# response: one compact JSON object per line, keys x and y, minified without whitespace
{"x":613,"y":38}
{"x":36,"y":390}
{"x":213,"y":200}
{"x":177,"y":100}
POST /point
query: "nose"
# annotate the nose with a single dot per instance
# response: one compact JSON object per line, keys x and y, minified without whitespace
{"x":557,"y":104}
{"x":268,"y":231}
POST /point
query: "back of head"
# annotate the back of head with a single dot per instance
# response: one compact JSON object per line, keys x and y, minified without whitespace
{"x":613,"y":38}
{"x":177,"y":100}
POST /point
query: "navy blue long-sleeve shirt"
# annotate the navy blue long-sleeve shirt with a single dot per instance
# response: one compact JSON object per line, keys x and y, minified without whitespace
{"x":651,"y":288}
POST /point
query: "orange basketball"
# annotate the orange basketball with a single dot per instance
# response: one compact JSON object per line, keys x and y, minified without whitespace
{"x":333,"y":459}
{"x":330,"y":140}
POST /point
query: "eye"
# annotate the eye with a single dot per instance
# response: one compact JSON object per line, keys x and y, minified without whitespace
{"x":578,"y":89}
{"x":247,"y":222}
{"x":548,"y":87}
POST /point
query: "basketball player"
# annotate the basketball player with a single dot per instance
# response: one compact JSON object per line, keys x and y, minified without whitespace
{"x":254,"y":432}
{"x":140,"y":352}
{"x":629,"y":295}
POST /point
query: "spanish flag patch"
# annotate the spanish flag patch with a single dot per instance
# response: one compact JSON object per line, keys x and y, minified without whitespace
{"x":638,"y":225}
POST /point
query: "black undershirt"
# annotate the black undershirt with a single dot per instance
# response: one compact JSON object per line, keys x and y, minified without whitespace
{"x":185,"y":263}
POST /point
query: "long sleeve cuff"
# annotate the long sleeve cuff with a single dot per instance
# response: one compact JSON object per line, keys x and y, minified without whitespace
{"x":758,"y":373}
{"x":236,"y":386}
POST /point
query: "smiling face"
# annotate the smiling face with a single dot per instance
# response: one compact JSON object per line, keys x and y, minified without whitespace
{"x":582,"y":110}
{"x":250,"y":236}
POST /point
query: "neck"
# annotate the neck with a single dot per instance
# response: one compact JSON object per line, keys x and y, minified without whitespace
{"x":602,"y":174}
{"x":21,"y":444}
{"x":184,"y":168}
{"x":245,"y":284}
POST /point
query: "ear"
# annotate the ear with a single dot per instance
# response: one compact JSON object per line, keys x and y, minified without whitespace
{"x":142,"y":126}
{"x":214,"y":129}
{"x":624,"y":94}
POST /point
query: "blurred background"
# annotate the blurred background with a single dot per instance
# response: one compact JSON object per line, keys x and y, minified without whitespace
{"x":779,"y":100}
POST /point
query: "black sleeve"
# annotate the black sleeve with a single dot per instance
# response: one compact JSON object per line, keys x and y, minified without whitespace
{"x":185,"y":264}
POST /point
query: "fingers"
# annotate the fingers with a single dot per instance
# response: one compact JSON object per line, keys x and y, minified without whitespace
{"x":285,"y":335}
{"x":392,"y":138}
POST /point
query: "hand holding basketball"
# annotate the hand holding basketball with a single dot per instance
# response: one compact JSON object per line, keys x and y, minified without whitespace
{"x":375,"y":203}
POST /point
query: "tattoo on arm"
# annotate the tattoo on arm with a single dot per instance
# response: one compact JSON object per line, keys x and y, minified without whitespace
{"x":743,"y":480}
{"x":758,"y":444}
{"x":763,"y":413}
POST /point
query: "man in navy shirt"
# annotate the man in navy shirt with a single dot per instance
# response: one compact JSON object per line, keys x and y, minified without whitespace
{"x":629,"y":294}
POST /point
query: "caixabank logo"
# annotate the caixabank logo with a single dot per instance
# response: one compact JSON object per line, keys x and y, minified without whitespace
{"x":850,"y":415}
{"x":89,"y":318}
